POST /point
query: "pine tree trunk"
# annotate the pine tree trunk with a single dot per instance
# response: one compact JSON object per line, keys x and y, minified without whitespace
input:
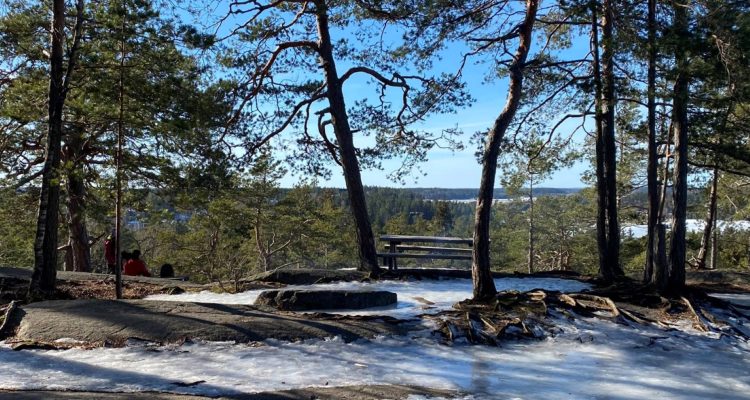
{"x":484,"y":285}
{"x":601,"y":186}
{"x":530,"y":257}
{"x":707,"y":238}
{"x":78,"y":236}
{"x":68,"y":258}
{"x":714,"y":244}
{"x":118,"y":162}
{"x":367,"y":253}
{"x":661,"y":269}
{"x":652,"y":178}
{"x":610,"y":145}
{"x":45,"y":243}
{"x":677,"y":248}
{"x":662,"y":264}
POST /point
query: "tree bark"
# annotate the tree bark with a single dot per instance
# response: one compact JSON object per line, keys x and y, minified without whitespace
{"x":530,"y":257}
{"x":610,"y":145}
{"x":45,"y":243}
{"x":662,"y":264}
{"x":652,"y":178}
{"x":608,"y":228}
{"x":601,"y":187}
{"x":677,"y":248}
{"x":368,"y":257}
{"x":714,"y":244}
{"x":665,"y":178}
{"x":661,"y":269}
{"x":707,"y":238}
{"x":78,"y":236}
{"x":484,"y":285}
{"x":118,"y":162}
{"x":44,"y":275}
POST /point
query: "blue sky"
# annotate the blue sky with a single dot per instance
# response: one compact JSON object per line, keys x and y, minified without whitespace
{"x":459,"y":169}
{"x":445,"y":168}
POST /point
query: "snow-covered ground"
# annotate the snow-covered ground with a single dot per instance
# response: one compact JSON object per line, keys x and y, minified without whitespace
{"x":587,"y":359}
{"x":414,"y":297}
{"x":692,"y":225}
{"x":590,"y":359}
{"x":740,"y":299}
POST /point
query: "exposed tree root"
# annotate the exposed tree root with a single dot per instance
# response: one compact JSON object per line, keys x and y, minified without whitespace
{"x":697,"y":322}
{"x":7,"y":310}
{"x":707,"y":308}
{"x":596,"y":303}
{"x":516,"y":315}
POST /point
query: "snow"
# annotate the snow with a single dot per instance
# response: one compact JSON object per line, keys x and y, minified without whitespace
{"x":740,"y":299}
{"x":589,"y":359}
{"x":413,"y":296}
{"x":692,"y":225}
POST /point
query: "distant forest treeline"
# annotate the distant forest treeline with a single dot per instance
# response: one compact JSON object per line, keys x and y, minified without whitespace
{"x":385,"y":203}
{"x":437,"y":193}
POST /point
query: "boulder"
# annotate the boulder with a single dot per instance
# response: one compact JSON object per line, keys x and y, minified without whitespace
{"x":303,"y":300}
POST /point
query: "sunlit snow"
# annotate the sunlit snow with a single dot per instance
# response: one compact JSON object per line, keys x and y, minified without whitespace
{"x":414,"y":297}
{"x":740,"y":299}
{"x":587,"y":359}
{"x":591,"y":359}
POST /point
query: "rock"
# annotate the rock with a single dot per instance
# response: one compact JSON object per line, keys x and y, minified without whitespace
{"x":359,"y":392}
{"x":303,"y":300}
{"x":306,"y":276}
{"x":97,"y":322}
{"x":173,"y":290}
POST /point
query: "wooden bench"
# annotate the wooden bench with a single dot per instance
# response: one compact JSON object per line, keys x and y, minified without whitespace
{"x":397,"y":249}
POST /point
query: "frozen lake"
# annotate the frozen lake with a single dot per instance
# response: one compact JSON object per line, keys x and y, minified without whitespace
{"x":692,"y":225}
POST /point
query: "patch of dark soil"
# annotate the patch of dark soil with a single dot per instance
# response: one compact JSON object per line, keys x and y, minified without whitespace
{"x":105,"y":289}
{"x":14,"y":284}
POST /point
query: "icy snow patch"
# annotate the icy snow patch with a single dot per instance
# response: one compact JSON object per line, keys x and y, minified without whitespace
{"x":590,"y":359}
{"x":740,"y":299}
{"x":414,"y":297}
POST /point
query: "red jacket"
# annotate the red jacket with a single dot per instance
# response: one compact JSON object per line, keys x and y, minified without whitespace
{"x":135,"y":268}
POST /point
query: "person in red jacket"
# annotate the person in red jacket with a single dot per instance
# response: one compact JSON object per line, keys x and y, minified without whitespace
{"x":135,"y":266}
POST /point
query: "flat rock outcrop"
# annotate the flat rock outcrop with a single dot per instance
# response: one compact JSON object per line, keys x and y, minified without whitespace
{"x":360,"y":392}
{"x":99,"y":322}
{"x":303,"y":300}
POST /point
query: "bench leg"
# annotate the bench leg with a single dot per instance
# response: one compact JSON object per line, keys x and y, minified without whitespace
{"x":392,"y":265}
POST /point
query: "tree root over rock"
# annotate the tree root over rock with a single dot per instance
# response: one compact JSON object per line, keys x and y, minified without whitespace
{"x":524,"y":315}
{"x":6,"y":310}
